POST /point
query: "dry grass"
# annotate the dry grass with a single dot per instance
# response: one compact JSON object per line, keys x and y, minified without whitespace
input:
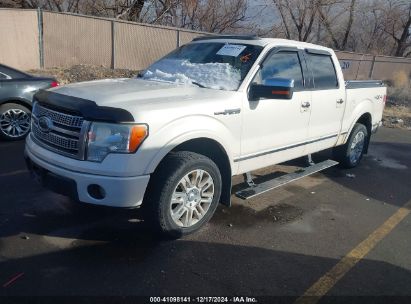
{"x":397,"y":117}
{"x":397,"y":113}
{"x":399,"y":96}
{"x":83,"y":72}
{"x":401,"y":80}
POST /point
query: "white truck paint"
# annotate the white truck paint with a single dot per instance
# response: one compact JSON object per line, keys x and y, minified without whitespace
{"x":250,"y":134}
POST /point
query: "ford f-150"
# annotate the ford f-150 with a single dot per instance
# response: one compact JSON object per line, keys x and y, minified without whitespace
{"x":171,"y":139}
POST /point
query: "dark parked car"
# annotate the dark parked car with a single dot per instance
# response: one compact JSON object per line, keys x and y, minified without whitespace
{"x":16,"y":92}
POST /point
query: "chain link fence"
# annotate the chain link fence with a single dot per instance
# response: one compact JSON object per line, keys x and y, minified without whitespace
{"x":33,"y":39}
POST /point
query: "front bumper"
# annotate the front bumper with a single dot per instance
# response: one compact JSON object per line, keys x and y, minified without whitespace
{"x":118,"y":191}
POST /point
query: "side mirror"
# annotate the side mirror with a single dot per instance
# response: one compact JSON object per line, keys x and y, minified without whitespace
{"x":272,"y":88}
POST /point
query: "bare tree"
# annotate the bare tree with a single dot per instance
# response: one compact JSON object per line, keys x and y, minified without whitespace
{"x":398,"y":26}
{"x":22,"y":3}
{"x":297,"y":17}
{"x":349,"y":24}
{"x":216,"y":16}
{"x":130,"y":10}
{"x":73,"y":6}
{"x":18,"y":4}
{"x":328,"y":11}
{"x":367,"y":34}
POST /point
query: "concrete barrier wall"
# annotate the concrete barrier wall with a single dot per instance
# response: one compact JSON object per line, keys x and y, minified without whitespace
{"x":136,"y":47}
{"x":186,"y":37}
{"x":72,"y":40}
{"x":355,"y":66}
{"x":69,"y":39}
{"x":365,"y":66}
{"x":386,"y":67}
{"x":19,"y":39}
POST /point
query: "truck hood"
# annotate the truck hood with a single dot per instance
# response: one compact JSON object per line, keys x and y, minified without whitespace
{"x":126,"y":92}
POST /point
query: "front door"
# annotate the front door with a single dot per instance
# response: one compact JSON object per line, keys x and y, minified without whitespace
{"x":274,"y":130}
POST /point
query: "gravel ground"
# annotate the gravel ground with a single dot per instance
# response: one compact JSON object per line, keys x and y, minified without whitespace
{"x":397,"y":116}
{"x":82,"y":72}
{"x":397,"y":113}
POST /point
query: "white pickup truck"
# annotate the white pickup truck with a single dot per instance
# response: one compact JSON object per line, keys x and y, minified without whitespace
{"x":172,"y":138}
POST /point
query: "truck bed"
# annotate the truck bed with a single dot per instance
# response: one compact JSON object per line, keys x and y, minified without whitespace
{"x":358,"y":84}
{"x":369,"y":93}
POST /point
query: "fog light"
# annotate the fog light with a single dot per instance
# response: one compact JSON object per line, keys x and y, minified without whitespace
{"x":96,"y":192}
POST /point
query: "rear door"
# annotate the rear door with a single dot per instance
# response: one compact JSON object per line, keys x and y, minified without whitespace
{"x":274,"y":130}
{"x":327,"y":101}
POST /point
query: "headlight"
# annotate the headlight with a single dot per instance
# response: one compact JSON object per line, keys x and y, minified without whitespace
{"x":105,"y":138}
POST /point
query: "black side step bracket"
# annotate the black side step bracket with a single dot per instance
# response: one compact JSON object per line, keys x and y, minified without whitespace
{"x":258,"y":189}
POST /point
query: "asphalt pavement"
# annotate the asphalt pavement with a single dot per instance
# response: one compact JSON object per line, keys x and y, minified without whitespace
{"x":278,"y":244}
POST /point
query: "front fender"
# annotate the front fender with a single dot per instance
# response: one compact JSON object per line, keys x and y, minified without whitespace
{"x":181,"y":130}
{"x":20,"y":100}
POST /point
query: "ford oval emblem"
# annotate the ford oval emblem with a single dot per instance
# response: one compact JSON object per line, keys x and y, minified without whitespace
{"x":45,"y":124}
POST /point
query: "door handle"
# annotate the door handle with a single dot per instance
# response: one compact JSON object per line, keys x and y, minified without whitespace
{"x":340,"y":101}
{"x":305,"y":105}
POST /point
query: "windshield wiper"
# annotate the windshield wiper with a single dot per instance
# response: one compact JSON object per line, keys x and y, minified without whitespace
{"x":198,"y":84}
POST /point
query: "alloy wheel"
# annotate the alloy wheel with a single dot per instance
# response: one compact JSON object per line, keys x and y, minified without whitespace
{"x":357,"y":147}
{"x":192,"y":198}
{"x":15,"y":123}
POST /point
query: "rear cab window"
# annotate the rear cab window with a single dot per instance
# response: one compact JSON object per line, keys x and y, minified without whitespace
{"x":323,"y":71}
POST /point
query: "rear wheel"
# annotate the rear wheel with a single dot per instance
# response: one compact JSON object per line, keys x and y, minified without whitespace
{"x":183,"y":194}
{"x":350,"y":154}
{"x":14,"y":121}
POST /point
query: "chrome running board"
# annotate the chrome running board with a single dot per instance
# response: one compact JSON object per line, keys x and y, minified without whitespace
{"x":252,"y":191}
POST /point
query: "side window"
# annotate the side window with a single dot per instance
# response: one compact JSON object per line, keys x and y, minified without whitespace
{"x":323,"y":71}
{"x":282,"y":65}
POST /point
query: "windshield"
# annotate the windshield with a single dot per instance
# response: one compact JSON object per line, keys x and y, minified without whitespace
{"x":220,"y":66}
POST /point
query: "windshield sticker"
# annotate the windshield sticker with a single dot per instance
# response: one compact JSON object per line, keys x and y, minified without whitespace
{"x":246,"y":58}
{"x":231,"y":50}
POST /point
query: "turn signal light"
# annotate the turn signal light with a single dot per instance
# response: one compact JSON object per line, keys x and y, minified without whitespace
{"x":137,"y":136}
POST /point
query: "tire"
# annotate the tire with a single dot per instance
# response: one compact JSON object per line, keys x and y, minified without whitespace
{"x":168,"y":180}
{"x":350,"y":154}
{"x":14,"y":121}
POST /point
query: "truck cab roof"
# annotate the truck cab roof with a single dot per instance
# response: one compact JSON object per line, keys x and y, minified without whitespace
{"x":255,"y":40}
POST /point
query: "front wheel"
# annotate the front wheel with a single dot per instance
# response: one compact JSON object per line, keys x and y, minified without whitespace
{"x":14,"y":121}
{"x":183,"y":194}
{"x":350,"y":154}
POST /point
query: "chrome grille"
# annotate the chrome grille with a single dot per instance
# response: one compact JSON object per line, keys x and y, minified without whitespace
{"x":57,"y":117}
{"x":60,"y":141}
{"x":64,"y":134}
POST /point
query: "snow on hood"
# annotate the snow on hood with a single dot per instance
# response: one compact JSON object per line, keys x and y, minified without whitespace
{"x":220,"y":76}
